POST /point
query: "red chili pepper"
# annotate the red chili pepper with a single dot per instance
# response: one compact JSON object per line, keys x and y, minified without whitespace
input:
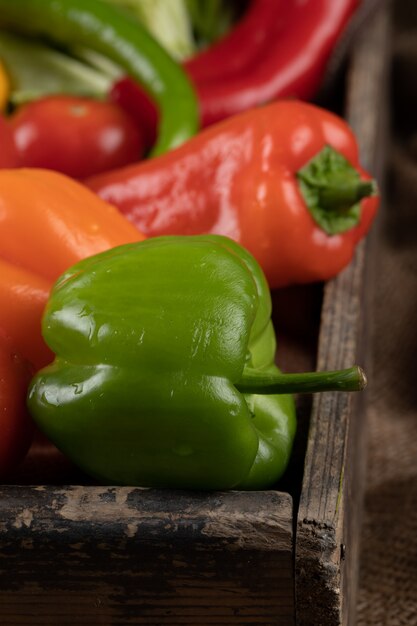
{"x":283,"y":180}
{"x":278,"y":50}
{"x":292,"y":66}
{"x":243,"y":46}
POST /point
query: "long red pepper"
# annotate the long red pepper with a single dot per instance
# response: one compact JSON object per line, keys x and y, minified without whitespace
{"x":292,"y":65}
{"x":243,"y":46}
{"x":279,"y":49}
{"x":237,"y":51}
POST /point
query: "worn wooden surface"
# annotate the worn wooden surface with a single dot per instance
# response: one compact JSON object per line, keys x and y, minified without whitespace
{"x":120,"y":556}
{"x":328,"y":519}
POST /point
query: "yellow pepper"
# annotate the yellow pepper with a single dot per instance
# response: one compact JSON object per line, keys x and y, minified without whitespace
{"x":4,"y":87}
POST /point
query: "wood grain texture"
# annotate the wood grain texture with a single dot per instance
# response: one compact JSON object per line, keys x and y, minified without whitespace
{"x":331,"y":500}
{"x":120,"y":556}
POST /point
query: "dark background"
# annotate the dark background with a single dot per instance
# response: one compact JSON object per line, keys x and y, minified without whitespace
{"x":388,"y":568}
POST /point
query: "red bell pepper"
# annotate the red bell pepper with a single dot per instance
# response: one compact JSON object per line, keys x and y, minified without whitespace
{"x":283,"y":180}
{"x":279,"y":49}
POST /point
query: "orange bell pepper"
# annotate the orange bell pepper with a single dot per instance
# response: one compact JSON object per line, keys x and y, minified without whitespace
{"x":22,"y":299}
{"x":48,"y":222}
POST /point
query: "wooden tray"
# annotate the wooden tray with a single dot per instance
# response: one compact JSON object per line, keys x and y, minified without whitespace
{"x":80,"y":554}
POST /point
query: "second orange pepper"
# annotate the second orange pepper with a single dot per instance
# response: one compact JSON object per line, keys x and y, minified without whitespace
{"x":48,"y":222}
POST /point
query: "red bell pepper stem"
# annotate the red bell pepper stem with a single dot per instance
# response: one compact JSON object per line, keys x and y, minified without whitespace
{"x":334,"y":197}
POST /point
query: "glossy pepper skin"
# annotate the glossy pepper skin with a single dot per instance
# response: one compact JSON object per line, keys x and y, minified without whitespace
{"x":240,"y":49}
{"x":151,"y":340}
{"x":23,"y":296}
{"x":103,"y":28}
{"x":292,"y":64}
{"x":246,"y":178}
{"x":164,"y":353}
{"x":48,"y":222}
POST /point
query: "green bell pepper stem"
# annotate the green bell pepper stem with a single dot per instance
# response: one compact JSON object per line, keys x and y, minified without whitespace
{"x":106,"y":29}
{"x":340,"y":194}
{"x":255,"y":381}
{"x":332,"y":189}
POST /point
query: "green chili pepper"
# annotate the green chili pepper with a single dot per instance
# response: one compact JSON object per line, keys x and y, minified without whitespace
{"x":164,"y":349}
{"x":106,"y":29}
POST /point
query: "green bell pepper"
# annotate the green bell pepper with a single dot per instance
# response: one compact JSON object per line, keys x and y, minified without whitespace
{"x":164,"y":351}
{"x":106,"y":29}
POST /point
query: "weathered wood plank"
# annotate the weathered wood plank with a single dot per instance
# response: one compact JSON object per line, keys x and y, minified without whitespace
{"x":100,"y":555}
{"x":331,"y":499}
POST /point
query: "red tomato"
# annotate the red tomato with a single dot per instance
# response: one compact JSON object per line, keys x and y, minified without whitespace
{"x":8,"y":152}
{"x":16,"y":426}
{"x":76,"y":136}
